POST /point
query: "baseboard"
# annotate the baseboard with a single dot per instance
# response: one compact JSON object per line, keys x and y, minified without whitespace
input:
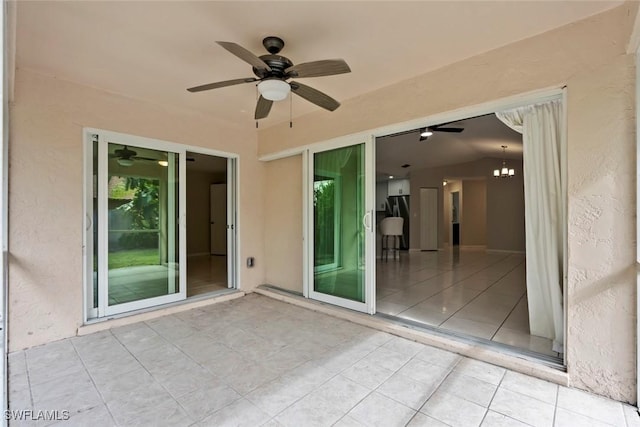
{"x":506,"y":251}
{"x":478,"y":247}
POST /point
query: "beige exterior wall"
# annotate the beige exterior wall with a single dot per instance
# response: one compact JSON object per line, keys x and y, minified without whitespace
{"x":601,"y":343}
{"x":46,"y":194}
{"x":589,"y":57}
{"x":283,"y":223}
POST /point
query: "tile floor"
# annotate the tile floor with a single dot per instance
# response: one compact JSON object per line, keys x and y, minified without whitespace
{"x":469,"y":291}
{"x":206,"y":273}
{"x":257,"y":361}
{"x":139,"y":282}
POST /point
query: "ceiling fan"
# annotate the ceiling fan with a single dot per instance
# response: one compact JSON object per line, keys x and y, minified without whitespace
{"x":426,"y":132}
{"x":273,"y":72}
{"x":125,"y":157}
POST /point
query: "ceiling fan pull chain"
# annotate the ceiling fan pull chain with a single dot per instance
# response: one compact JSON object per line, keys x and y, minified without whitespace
{"x":257,"y":99}
{"x":290,"y":110}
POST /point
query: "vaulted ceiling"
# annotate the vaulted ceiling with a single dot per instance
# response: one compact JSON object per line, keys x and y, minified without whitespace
{"x":154,"y":50}
{"x":482,"y":137}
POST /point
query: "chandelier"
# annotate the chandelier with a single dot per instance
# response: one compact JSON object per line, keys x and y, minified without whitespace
{"x":504,"y":171}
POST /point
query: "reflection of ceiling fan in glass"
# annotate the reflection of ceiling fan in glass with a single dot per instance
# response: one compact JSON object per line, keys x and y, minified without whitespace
{"x":125,"y":157}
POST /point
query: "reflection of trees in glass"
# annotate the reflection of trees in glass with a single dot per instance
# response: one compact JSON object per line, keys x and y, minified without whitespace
{"x":143,"y":207}
{"x":141,"y":211}
{"x":324,"y":206}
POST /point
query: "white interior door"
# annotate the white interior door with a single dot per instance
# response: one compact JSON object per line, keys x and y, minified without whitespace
{"x":340,"y":234}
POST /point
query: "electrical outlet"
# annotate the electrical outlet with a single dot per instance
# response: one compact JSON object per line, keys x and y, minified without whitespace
{"x":251,"y":261}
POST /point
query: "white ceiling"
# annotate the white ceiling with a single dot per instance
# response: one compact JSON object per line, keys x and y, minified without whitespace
{"x":482,"y":137}
{"x":155,"y":50}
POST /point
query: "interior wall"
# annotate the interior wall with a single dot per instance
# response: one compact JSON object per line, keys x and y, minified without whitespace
{"x":505,"y":212}
{"x":473,"y":231}
{"x":588,"y":57}
{"x":492,"y":230}
{"x":283,"y":223}
{"x":46,"y":195}
{"x":198,"y":200}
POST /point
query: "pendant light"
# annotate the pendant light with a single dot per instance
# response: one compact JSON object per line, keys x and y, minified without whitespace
{"x":504,"y":171}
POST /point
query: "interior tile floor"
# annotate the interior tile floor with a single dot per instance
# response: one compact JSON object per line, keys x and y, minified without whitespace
{"x":257,"y":361}
{"x":469,"y":291}
{"x":206,"y":273}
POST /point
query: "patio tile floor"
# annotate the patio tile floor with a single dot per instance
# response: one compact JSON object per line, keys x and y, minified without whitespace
{"x":257,"y":361}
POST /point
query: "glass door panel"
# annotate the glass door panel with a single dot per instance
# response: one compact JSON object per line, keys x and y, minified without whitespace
{"x":340,"y":227}
{"x":142,"y":227}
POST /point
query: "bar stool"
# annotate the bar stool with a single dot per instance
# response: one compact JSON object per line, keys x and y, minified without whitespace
{"x":391,"y":226}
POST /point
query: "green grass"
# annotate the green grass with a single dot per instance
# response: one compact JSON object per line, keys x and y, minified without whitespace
{"x":133,"y":257}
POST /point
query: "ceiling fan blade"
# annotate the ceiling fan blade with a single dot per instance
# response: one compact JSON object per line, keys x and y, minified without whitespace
{"x":245,"y":55}
{"x":327,"y":67}
{"x":221,"y":84}
{"x":315,"y":96}
{"x":148,"y":159}
{"x":262,"y":108}
{"x":452,"y":130}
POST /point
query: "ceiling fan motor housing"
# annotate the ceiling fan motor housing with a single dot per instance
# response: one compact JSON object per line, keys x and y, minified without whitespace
{"x":278,"y":65}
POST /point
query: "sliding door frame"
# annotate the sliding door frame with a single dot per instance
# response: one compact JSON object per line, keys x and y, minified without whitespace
{"x":233,"y":221}
{"x":368,"y":306}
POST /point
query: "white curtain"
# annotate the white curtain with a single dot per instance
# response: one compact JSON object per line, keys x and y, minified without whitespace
{"x":540,"y":128}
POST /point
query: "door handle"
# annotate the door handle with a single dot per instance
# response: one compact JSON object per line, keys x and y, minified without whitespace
{"x":365,"y":223}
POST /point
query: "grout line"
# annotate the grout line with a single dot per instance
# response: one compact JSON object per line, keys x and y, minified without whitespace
{"x":555,"y":407}
{"x":95,"y":386}
{"x":493,"y":396}
{"x":462,"y":279}
{"x":505,"y":319}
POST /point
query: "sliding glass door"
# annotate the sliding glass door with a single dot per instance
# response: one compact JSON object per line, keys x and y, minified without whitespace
{"x":340,"y":234}
{"x":138,"y":261}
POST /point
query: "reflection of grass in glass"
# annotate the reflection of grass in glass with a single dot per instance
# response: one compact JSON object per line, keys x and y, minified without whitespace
{"x":133,"y":258}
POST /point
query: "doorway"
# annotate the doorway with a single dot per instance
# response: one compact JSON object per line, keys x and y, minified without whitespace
{"x":136,"y":223}
{"x":455,"y":220}
{"x":465,"y":273}
{"x":207,"y":224}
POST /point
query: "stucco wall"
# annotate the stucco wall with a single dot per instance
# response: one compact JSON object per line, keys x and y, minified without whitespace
{"x":283,"y":223}
{"x":46,"y":193}
{"x":589,"y":57}
{"x":601,"y":346}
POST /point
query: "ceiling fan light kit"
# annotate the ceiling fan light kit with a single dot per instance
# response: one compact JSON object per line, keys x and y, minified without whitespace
{"x":274,"y":89}
{"x":426,"y":132}
{"x":125,"y":162}
{"x":273,"y":73}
